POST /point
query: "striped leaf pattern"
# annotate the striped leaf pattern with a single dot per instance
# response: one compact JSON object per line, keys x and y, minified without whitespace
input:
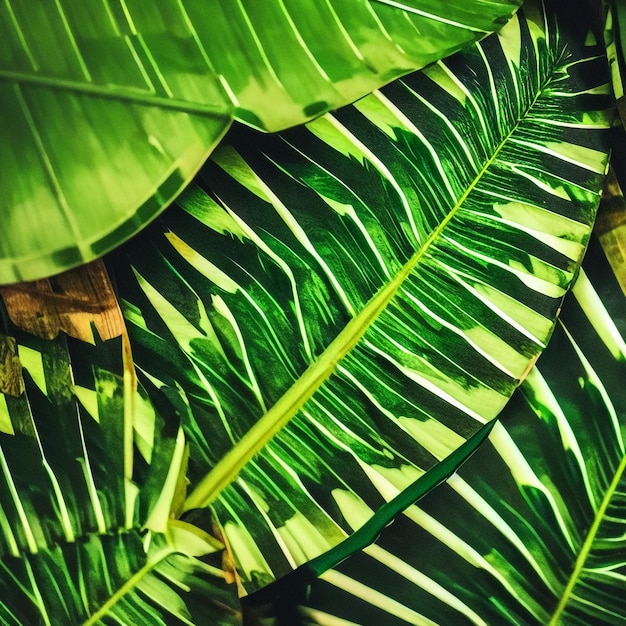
{"x":333,"y":310}
{"x":612,"y":225}
{"x":90,"y":473}
{"x":60,"y":420}
{"x":615,"y":49}
{"x":531,"y":529}
{"x":151,"y":88}
{"x":74,"y":583}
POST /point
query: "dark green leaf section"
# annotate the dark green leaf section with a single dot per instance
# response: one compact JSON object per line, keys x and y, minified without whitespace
{"x":67,"y":584}
{"x":615,"y":40}
{"x":88,"y":478}
{"x":111,"y":108}
{"x":59,"y":480}
{"x":395,"y":267}
{"x":616,"y":52}
{"x":81,"y":450}
{"x":530,"y":530}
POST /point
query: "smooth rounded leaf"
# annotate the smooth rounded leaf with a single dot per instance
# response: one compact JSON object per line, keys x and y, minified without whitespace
{"x":109,"y":109}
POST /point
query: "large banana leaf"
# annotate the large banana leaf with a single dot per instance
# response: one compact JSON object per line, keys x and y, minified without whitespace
{"x":89,"y":474}
{"x":334,"y":310}
{"x":531,"y":529}
{"x":109,"y":108}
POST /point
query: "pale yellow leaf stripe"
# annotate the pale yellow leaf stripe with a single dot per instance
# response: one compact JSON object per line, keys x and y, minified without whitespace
{"x":586,"y":548}
{"x":303,"y":389}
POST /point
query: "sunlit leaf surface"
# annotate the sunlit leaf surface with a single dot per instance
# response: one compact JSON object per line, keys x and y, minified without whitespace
{"x":333,"y":310}
{"x":531,"y":529}
{"x":109,"y":108}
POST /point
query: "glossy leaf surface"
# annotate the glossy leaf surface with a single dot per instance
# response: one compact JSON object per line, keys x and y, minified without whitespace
{"x":531,"y":529}
{"x":335,"y":309}
{"x":109,"y":109}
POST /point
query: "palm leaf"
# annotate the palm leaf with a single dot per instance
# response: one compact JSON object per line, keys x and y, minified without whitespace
{"x":74,"y":583}
{"x":530,"y":530}
{"x":88,"y":475}
{"x":110,"y":109}
{"x":63,"y":389}
{"x":336,"y":309}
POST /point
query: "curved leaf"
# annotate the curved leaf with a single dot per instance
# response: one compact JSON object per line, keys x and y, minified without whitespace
{"x":335,"y":309}
{"x":110,"y":108}
{"x":531,"y":530}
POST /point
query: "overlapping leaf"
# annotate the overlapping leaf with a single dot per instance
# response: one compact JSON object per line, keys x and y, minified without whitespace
{"x":110,"y":108}
{"x":63,"y":408}
{"x":73,"y":583}
{"x":531,"y":530}
{"x":89,"y":473}
{"x":333,"y":310}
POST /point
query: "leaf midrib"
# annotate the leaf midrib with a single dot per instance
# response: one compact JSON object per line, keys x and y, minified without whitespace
{"x":121,"y":94}
{"x":227,"y":468}
{"x":588,"y":543}
{"x":128,"y":586}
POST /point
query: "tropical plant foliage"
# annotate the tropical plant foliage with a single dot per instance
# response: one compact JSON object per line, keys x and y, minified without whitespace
{"x":396,"y":306}
{"x":88,"y":480}
{"x":616,"y":54}
{"x":531,"y":529}
{"x":322,"y":328}
{"x":149,"y":89}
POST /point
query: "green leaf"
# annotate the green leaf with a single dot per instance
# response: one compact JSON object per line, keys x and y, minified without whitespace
{"x":335,"y":309}
{"x":68,"y":583}
{"x":59,"y":480}
{"x":109,"y":109}
{"x":616,"y":53}
{"x":89,"y":475}
{"x":531,"y":529}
